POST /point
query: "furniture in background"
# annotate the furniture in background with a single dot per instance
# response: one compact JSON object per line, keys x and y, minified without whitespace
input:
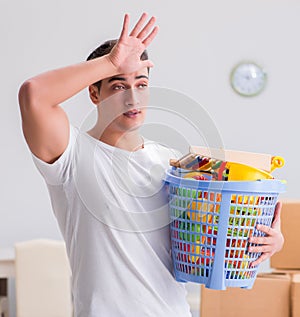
{"x":7,"y":263}
{"x":3,"y":306}
{"x":7,"y":270}
{"x":43,"y":279}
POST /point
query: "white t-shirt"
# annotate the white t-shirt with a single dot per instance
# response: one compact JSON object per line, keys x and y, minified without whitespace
{"x":112,"y":210}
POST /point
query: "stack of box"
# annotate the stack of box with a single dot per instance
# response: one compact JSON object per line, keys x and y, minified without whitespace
{"x":275,"y":294}
{"x":295,"y":295}
{"x":288,"y":259}
{"x":269,"y":297}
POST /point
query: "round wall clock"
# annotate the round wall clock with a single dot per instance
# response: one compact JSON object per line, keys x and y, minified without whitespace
{"x":248,"y":79}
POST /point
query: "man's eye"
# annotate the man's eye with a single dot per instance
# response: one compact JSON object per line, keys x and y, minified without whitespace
{"x":142,"y":86}
{"x":118,"y":87}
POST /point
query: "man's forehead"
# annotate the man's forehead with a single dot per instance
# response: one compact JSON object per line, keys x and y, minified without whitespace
{"x":127,"y":77}
{"x":120,"y":78}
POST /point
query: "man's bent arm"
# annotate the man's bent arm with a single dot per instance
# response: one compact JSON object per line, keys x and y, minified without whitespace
{"x":45,"y":124}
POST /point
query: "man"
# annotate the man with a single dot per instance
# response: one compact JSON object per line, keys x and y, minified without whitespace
{"x":105,"y":184}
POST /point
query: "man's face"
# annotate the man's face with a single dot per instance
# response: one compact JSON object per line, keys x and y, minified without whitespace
{"x":122,"y":101}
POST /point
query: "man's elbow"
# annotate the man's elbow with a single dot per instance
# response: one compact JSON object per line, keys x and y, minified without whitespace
{"x":28,"y":93}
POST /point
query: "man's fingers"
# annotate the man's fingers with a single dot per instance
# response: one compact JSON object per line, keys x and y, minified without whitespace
{"x":262,"y":258}
{"x":125,"y":27}
{"x":271,"y":242}
{"x":139,"y":25}
{"x":147,"y":28}
{"x":265,"y":229}
{"x":151,"y":36}
{"x":260,"y":240}
{"x":142,"y":33}
{"x":147,"y":63}
{"x":264,"y":248}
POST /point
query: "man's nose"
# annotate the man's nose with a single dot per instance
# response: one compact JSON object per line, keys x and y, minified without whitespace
{"x":131,"y":97}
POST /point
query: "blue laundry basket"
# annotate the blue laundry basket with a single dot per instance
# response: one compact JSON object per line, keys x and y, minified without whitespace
{"x":210,"y":224}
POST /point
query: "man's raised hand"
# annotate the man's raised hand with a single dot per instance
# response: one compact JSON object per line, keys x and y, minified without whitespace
{"x":126,"y":54}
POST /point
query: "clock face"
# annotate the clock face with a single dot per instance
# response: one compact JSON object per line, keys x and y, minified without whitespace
{"x":248,"y":79}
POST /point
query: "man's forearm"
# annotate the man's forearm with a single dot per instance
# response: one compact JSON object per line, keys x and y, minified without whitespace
{"x":56,"y":86}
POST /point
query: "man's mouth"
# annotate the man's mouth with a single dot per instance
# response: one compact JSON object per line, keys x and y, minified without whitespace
{"x":132,"y":113}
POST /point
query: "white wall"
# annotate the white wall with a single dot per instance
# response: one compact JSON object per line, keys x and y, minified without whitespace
{"x":198,"y":44}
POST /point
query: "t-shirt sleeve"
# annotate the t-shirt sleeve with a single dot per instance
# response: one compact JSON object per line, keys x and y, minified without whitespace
{"x":58,"y":172}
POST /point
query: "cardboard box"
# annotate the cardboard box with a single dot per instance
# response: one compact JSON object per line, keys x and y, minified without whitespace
{"x":289,"y":256}
{"x":269,"y":297}
{"x":295,"y":295}
{"x":288,"y":271}
{"x":295,"y":290}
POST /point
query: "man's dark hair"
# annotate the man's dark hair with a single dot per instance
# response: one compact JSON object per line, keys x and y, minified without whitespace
{"x":105,"y":49}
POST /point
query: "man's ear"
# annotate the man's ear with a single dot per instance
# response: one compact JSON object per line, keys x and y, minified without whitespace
{"x":94,"y":94}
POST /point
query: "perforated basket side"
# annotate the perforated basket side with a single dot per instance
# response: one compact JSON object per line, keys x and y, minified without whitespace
{"x":210,"y":227}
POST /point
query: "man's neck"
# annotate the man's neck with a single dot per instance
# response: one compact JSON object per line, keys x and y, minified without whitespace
{"x":130,"y":141}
